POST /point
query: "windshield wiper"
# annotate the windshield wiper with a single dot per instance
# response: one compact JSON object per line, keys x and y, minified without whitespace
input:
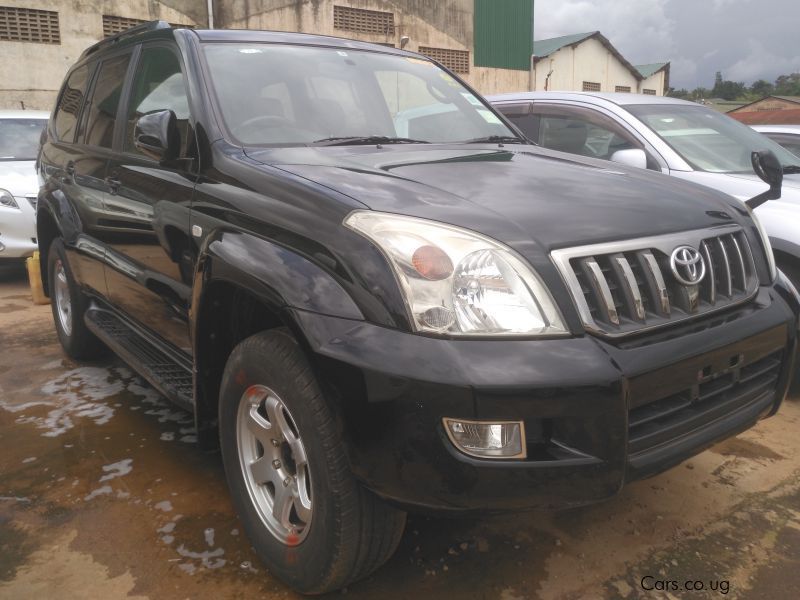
{"x":495,"y":139}
{"x":791,"y":169}
{"x":365,"y":139}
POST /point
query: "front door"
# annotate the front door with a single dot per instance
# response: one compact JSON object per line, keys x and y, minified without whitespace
{"x":149,"y":258}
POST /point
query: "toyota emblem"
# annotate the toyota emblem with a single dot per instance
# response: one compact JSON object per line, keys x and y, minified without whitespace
{"x":687,"y":265}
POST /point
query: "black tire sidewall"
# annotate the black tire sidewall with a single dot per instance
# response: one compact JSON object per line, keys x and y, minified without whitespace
{"x":57,"y":252}
{"x":81,"y":343}
{"x":307,"y":565}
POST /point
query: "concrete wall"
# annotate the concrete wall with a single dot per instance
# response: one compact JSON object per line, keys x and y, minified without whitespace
{"x":587,"y":61}
{"x":655,"y":82}
{"x":439,"y":24}
{"x":32,"y":73}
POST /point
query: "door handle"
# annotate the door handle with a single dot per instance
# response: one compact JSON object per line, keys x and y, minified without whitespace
{"x":69,"y":169}
{"x":113,"y":184}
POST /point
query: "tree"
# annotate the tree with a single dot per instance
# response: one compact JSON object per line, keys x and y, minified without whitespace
{"x":727,"y":90}
{"x":682,"y":93}
{"x":788,"y":85}
{"x":762,"y":88}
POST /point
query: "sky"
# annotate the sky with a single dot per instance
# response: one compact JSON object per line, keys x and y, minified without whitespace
{"x":744,"y":39}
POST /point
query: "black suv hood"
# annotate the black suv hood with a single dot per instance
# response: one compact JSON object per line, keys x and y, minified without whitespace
{"x":517,"y":194}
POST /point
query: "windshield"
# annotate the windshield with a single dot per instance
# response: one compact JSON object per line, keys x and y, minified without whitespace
{"x":283,"y":94}
{"x":19,"y":138}
{"x":708,"y":140}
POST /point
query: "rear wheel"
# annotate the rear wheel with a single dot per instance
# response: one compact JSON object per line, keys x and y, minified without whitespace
{"x":309,"y":521}
{"x":69,"y":306}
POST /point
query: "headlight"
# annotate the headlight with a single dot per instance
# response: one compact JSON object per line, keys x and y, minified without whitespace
{"x":458,"y":282}
{"x":773,"y":270}
{"x":7,"y":200}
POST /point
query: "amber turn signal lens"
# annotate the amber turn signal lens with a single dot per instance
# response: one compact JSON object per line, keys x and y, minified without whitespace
{"x":432,"y":263}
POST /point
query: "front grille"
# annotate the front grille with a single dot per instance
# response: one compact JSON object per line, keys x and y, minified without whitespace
{"x":716,"y":396}
{"x":627,"y":287}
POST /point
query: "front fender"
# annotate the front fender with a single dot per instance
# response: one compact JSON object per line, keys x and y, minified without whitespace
{"x":276,"y":275}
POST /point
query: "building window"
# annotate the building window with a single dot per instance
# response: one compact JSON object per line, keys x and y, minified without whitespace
{"x":591,"y":86}
{"x":455,"y":60}
{"x":363,"y":21}
{"x":623,"y":88}
{"x":29,"y":25}
{"x":113,"y":24}
{"x":649,"y":92}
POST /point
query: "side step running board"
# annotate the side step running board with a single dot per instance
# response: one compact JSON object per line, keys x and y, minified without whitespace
{"x":171,"y":376}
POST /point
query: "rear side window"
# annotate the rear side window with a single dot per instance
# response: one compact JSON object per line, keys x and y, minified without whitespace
{"x":158,"y":85}
{"x":102,"y":108}
{"x":69,"y":105}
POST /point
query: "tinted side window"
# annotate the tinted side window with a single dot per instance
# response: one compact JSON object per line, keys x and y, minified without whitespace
{"x":158,"y":85}
{"x":70,"y":103}
{"x":102,"y":108}
{"x":584,"y":131}
{"x":788,"y":141}
{"x":520,"y":115}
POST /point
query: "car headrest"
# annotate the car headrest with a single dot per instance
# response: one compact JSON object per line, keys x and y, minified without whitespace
{"x":565,"y":135}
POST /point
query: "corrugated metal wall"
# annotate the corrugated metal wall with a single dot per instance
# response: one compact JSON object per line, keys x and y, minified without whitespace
{"x":503,"y":32}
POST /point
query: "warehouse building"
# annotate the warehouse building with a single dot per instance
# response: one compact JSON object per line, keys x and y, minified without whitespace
{"x":588,"y":62}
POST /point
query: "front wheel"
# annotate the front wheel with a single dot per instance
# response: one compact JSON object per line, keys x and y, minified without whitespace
{"x":285,"y":461}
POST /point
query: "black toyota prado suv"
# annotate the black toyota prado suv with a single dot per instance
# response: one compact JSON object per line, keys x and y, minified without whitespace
{"x":375,"y":296}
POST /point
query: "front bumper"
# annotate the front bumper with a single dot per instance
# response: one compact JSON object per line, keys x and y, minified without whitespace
{"x":18,"y":230}
{"x":596,"y":415}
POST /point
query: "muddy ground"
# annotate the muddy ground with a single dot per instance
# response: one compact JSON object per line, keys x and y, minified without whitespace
{"x":103,"y":494}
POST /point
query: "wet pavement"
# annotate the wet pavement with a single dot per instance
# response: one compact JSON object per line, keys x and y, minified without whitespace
{"x":103,"y":494}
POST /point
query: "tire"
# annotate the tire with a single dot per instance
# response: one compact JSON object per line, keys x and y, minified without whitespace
{"x":69,"y":305}
{"x":349,"y":532}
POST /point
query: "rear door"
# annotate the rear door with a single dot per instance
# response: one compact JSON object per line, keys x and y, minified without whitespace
{"x":150,"y":254}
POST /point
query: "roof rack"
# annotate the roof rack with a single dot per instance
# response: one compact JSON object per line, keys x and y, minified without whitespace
{"x":130,"y":32}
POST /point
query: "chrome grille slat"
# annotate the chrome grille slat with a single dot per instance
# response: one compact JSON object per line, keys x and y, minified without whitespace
{"x":632,"y":287}
{"x":712,"y":283}
{"x":739,"y":255}
{"x":728,"y":281}
{"x":627,"y":287}
{"x":600,"y":281}
{"x":661,"y":287}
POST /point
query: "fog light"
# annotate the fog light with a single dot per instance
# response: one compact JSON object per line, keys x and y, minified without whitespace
{"x":487,"y":439}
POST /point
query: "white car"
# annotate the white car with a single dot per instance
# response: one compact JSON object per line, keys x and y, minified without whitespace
{"x":680,"y":138}
{"x":787,"y":136}
{"x":19,"y":185}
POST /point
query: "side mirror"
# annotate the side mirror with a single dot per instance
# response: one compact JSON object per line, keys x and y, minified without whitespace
{"x":156,"y":136}
{"x":633,"y":157}
{"x":767,"y":166}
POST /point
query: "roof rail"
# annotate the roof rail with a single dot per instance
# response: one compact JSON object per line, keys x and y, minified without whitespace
{"x":130,"y":32}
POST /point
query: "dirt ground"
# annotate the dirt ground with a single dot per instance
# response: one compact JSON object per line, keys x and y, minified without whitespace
{"x":103,"y":494}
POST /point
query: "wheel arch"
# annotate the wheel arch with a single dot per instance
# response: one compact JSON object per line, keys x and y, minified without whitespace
{"x":234,"y":298}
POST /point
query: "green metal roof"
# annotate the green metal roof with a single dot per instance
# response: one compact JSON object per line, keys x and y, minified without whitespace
{"x":542,"y":48}
{"x":647,"y":70}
